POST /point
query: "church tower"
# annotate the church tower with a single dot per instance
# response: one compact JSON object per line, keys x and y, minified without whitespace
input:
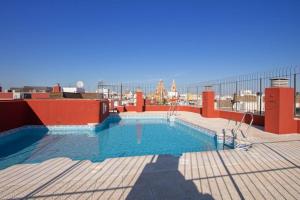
{"x":160,"y":92}
{"x":173,"y":87}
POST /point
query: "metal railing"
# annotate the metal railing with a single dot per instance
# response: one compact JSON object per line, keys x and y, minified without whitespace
{"x":245,"y":93}
{"x":124,"y":93}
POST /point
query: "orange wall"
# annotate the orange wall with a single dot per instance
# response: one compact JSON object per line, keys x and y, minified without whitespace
{"x":66,"y":112}
{"x":298,"y":125}
{"x":120,"y":108}
{"x":166,"y":108}
{"x":156,"y":108}
{"x":130,"y":108}
{"x":14,"y":114}
{"x":190,"y":109}
{"x":6,"y":95}
{"x":51,"y":112}
{"x":159,"y":108}
{"x":258,"y":120}
{"x":40,"y":95}
{"x":35,"y":95}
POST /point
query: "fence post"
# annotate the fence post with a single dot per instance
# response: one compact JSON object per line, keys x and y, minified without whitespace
{"x":236,"y":94}
{"x":260,"y":96}
{"x":197,"y":96}
{"x":220,"y":95}
{"x":295,"y":94}
{"x":187,"y":95}
{"x":121,"y":92}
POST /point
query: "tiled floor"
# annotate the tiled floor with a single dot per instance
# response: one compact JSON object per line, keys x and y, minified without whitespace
{"x":269,"y":170}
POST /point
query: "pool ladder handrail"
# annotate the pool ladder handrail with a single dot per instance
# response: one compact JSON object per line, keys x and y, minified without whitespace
{"x":172,"y":110}
{"x":237,"y":129}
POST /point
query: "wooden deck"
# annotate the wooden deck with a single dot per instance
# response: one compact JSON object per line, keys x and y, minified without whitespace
{"x":269,"y":170}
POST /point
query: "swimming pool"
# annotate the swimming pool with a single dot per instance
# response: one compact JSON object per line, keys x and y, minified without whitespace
{"x":115,"y":137}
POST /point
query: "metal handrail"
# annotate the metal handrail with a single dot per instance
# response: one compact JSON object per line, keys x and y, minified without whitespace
{"x":172,"y":109}
{"x":243,"y":120}
{"x":235,"y":130}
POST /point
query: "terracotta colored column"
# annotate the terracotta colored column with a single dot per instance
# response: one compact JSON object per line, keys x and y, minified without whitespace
{"x":139,"y":102}
{"x":56,"y":88}
{"x":208,"y":104}
{"x":279,"y":110}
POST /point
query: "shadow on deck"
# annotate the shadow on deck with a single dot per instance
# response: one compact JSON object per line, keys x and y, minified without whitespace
{"x":162,"y":180}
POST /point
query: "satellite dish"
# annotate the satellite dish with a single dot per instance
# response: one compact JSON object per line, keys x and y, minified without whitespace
{"x":79,"y":84}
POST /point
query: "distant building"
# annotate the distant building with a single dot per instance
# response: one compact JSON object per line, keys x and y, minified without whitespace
{"x":73,"y":90}
{"x":160,"y":92}
{"x":246,"y":92}
{"x":173,"y":93}
{"x":128,"y":95}
{"x":31,"y":89}
{"x":56,"y":88}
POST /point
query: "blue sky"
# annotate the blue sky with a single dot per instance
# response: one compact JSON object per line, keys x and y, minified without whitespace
{"x":45,"y":42}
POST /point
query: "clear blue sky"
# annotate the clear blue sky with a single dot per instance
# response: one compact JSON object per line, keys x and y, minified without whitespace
{"x":44,"y":42}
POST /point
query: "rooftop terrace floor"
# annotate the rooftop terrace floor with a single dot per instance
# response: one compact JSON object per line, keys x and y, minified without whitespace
{"x":269,"y":170}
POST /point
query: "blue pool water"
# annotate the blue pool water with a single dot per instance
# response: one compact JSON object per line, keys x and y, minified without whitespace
{"x":114,"y":138}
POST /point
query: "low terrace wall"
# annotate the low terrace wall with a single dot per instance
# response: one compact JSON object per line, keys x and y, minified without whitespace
{"x":14,"y":114}
{"x":51,"y":112}
{"x":258,"y":119}
{"x":166,"y":108}
{"x":40,"y":95}
{"x":6,"y":95}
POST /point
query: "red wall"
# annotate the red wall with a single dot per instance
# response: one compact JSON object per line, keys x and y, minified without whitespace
{"x":14,"y":114}
{"x":156,"y":108}
{"x":127,"y":108}
{"x":6,"y":95}
{"x":166,"y":108}
{"x":40,"y":95}
{"x":35,"y":95}
{"x":51,"y":112}
{"x":72,"y":112}
{"x":130,"y":108}
{"x":190,"y":109}
{"x":120,"y":108}
{"x":258,"y":120}
{"x":298,"y":125}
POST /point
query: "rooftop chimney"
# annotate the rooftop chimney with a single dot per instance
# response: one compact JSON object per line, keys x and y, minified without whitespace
{"x":279,"y":82}
{"x":208,"y":87}
{"x":56,"y":88}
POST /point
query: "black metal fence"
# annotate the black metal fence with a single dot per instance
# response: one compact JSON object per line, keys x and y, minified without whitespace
{"x":247,"y":92}
{"x":156,"y":93}
{"x":239,"y":94}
